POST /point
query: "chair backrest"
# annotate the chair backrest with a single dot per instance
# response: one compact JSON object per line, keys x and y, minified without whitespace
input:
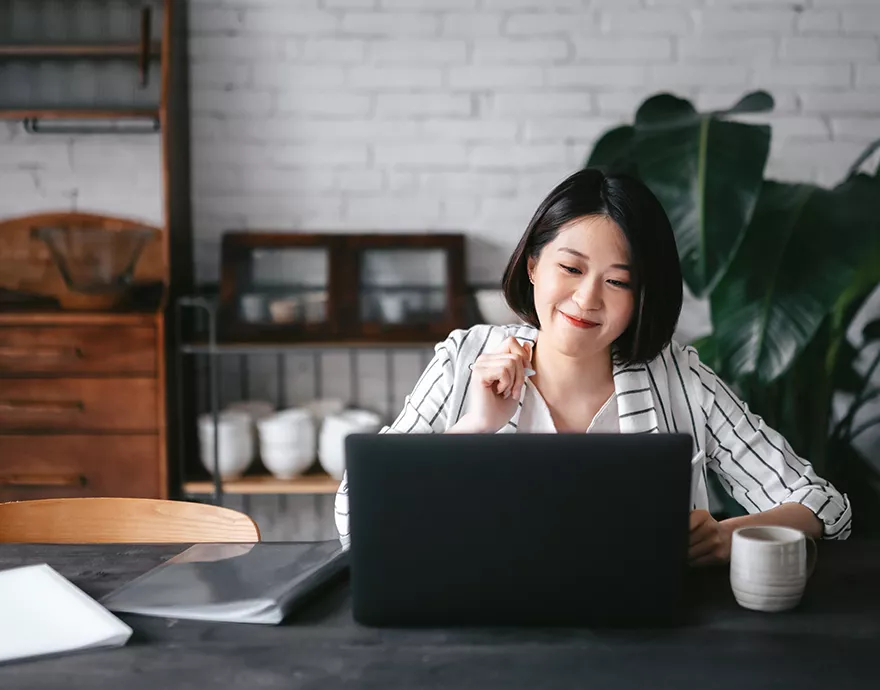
{"x":122,"y":520}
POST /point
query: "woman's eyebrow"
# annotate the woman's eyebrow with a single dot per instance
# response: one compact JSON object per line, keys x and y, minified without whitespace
{"x":580,"y":255}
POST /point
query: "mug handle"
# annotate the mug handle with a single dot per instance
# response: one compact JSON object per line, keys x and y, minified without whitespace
{"x":812,"y":555}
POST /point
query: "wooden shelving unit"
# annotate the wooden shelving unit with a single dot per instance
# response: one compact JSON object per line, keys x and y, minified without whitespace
{"x":147,"y":59}
{"x":78,"y":114}
{"x":81,"y":50}
{"x":317,"y":483}
{"x":82,"y":68}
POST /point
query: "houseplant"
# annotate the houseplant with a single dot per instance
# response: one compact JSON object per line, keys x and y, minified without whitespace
{"x":785,"y":268}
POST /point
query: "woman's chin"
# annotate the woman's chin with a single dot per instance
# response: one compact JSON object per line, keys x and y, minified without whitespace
{"x":578,"y":342}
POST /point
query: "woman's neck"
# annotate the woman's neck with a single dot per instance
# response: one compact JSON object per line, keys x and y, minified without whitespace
{"x":560,"y":376}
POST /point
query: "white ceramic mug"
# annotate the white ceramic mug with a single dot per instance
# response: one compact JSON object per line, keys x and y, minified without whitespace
{"x":769,"y":567}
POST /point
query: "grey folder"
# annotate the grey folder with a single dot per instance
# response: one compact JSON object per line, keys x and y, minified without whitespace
{"x":244,"y":583}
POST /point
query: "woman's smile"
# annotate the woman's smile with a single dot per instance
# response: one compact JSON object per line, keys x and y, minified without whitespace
{"x":577,"y":322}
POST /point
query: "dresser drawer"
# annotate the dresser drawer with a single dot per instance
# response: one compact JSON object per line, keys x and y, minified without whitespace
{"x":72,"y":350}
{"x":62,"y":466}
{"x":66,"y":405}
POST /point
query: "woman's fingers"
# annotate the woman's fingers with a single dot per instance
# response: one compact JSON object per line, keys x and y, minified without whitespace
{"x":702,"y":548}
{"x":702,"y":561}
{"x":700,"y":533}
{"x":524,"y":355}
{"x":498,"y":371}
{"x":495,"y":372}
{"x":504,"y":370}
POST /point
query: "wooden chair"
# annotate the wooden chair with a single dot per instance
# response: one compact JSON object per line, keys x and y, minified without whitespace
{"x":122,"y":520}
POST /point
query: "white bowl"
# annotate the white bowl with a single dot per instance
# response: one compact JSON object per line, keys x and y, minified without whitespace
{"x":255,"y":410}
{"x":322,"y":407}
{"x":331,"y":443}
{"x":235,"y":444}
{"x":286,"y":310}
{"x":288,"y":461}
{"x":286,"y":426}
{"x":315,"y":307}
{"x":493,"y":308}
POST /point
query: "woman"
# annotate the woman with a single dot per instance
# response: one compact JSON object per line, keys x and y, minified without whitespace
{"x":597,"y":280}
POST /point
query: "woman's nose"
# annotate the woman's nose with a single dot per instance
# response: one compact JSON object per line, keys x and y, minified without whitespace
{"x":587,"y":297}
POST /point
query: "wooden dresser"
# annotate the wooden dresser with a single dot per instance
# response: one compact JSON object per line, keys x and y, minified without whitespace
{"x":82,"y":406}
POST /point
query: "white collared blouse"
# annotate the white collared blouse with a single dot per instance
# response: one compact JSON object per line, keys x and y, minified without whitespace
{"x":674,"y":392}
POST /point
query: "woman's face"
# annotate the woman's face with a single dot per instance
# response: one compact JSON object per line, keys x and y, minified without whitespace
{"x":583,"y":293}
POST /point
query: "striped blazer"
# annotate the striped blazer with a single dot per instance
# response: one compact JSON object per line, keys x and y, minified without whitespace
{"x":675,"y":392}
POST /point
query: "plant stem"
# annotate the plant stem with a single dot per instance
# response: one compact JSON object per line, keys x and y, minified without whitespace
{"x":864,"y":427}
{"x":866,"y":154}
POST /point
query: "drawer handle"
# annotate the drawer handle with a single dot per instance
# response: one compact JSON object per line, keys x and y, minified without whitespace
{"x":42,"y":406}
{"x":41,"y":353}
{"x":41,"y":480}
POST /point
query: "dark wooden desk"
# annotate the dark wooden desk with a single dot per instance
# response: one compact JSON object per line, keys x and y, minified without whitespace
{"x":831,"y":641}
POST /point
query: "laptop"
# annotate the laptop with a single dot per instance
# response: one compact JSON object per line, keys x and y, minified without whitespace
{"x":455,"y":530}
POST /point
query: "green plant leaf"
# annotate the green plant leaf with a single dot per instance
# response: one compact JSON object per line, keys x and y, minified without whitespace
{"x":707,"y":348}
{"x":802,"y":250}
{"x":614,"y":150}
{"x":754,"y":102}
{"x":707,"y":173}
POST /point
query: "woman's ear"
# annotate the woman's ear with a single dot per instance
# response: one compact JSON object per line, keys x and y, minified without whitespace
{"x":530,"y":268}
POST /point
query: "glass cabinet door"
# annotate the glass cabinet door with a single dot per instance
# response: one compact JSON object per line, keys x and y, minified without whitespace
{"x":402,"y":286}
{"x":285,"y":285}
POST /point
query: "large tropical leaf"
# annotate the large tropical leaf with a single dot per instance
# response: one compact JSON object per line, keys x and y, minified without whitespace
{"x":707,"y":173}
{"x":754,"y":102}
{"x":614,"y":151}
{"x":803,"y":249}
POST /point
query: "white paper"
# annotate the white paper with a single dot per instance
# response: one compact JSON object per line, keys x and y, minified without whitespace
{"x":43,"y":613}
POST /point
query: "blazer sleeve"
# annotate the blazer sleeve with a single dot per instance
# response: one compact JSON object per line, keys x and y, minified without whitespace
{"x":757,"y":466}
{"x":425,"y":411}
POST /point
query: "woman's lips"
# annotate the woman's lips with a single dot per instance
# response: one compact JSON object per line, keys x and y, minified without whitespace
{"x":578,"y":323}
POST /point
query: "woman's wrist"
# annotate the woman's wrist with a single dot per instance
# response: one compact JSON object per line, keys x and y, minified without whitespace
{"x":469,"y":424}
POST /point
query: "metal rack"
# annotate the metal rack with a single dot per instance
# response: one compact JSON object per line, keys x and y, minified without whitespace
{"x":211,"y":385}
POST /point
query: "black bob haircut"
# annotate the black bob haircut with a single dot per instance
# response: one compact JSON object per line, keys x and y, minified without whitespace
{"x":656,"y":271}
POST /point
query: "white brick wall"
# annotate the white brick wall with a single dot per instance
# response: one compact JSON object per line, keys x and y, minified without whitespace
{"x":438,"y":114}
{"x":460,"y":114}
{"x":103,"y":173}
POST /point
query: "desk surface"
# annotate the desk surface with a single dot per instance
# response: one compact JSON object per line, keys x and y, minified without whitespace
{"x":832,"y":639}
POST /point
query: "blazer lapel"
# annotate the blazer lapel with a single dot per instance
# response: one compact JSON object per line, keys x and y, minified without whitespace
{"x":635,"y":402}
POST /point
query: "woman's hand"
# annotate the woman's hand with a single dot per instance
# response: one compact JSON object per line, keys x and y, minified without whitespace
{"x":496,"y":387}
{"x":709,"y":540}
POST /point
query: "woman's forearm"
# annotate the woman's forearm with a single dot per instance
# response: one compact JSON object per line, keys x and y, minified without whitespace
{"x":787,"y":515}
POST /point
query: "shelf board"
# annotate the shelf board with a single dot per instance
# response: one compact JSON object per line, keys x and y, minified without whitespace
{"x":83,"y":50}
{"x":318,"y":483}
{"x":59,"y":317}
{"x":271,"y":348}
{"x":77,"y":113}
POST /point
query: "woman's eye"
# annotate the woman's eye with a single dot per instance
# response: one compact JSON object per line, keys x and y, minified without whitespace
{"x":619,"y":283}
{"x":569,"y":269}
